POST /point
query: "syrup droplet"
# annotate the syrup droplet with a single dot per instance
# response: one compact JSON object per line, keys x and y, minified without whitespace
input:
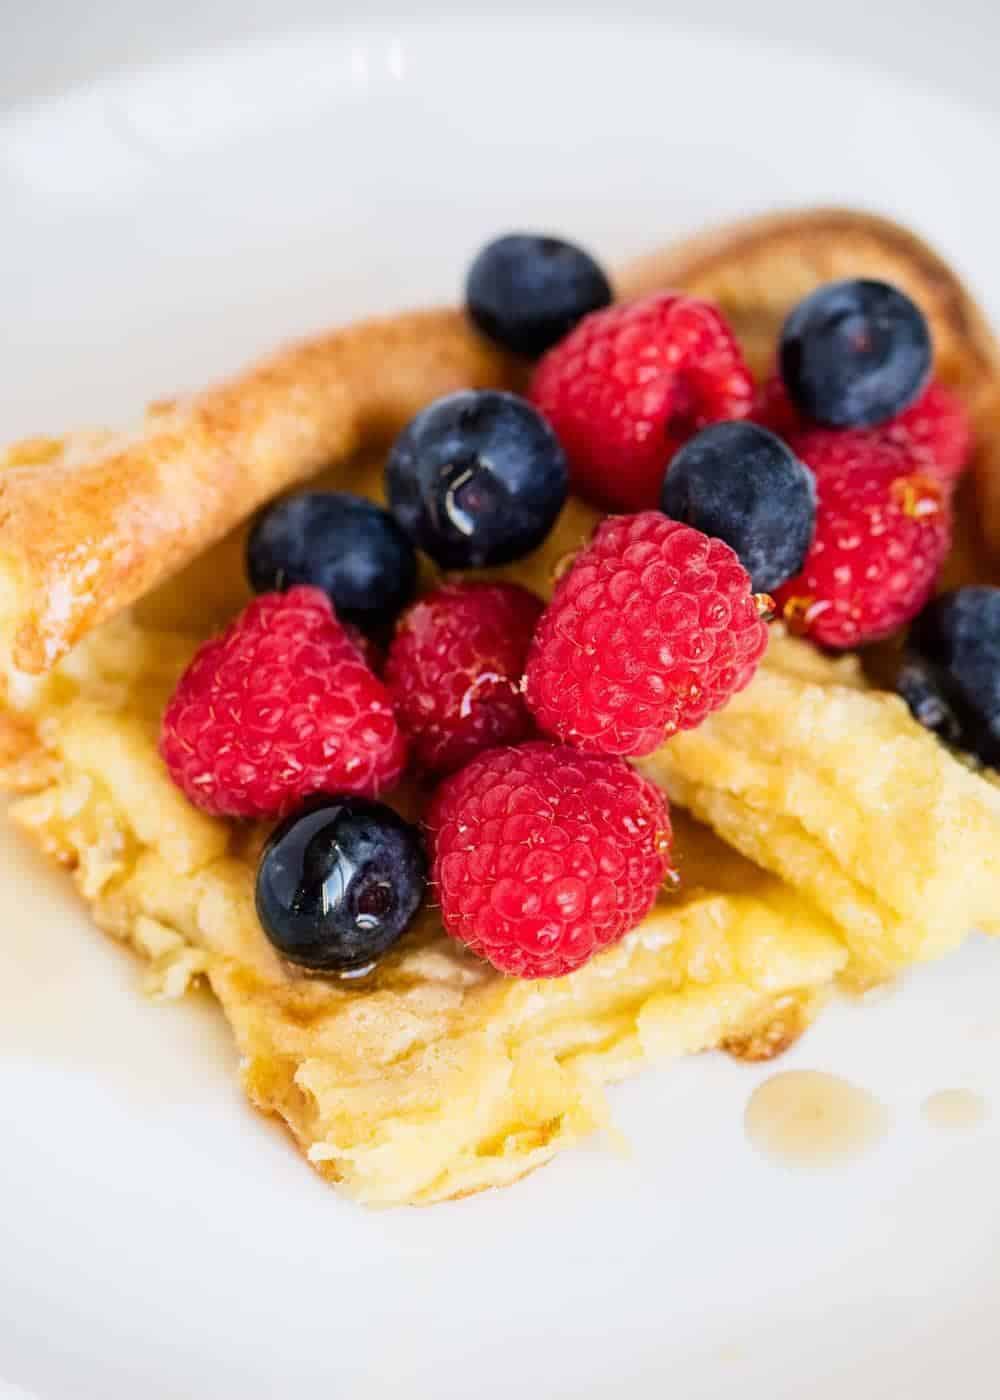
{"x":32,"y":452}
{"x":804,"y":1118}
{"x":918,"y":496}
{"x":796,"y":613}
{"x":766,"y":606}
{"x":354,"y":974}
{"x":954,"y":1110}
{"x":671,"y":881}
{"x":563,"y":565}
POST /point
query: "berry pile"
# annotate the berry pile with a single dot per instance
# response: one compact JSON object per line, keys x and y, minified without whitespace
{"x":829,"y":487}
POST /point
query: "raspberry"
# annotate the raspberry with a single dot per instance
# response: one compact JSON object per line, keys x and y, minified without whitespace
{"x":632,"y":383}
{"x":652,"y":629}
{"x":882,"y":534}
{"x":773,"y":409}
{"x":934,"y":433}
{"x":367,"y":648}
{"x":277,"y":707}
{"x":542,"y":856}
{"x":455,"y":667}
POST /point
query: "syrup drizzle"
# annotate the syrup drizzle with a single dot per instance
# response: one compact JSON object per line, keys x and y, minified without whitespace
{"x":954,"y":1110}
{"x":804,"y":1118}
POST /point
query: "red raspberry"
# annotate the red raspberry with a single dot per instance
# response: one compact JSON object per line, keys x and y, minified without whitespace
{"x":455,"y":668}
{"x":277,"y":707}
{"x":934,"y":433}
{"x":882,"y":534}
{"x":653,"y":628}
{"x":542,"y":856}
{"x":367,"y":649}
{"x":772,"y":408}
{"x":632,"y":383}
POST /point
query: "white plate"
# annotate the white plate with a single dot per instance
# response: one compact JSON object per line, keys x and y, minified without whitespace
{"x":157,"y":1238}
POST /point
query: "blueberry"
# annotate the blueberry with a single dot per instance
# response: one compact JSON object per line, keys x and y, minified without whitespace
{"x":477,"y":478}
{"x":917,"y":683}
{"x":339,"y":882}
{"x":526,"y":291}
{"x":742,"y":484}
{"x":855,"y":353}
{"x":954,"y":660}
{"x":347,"y":546}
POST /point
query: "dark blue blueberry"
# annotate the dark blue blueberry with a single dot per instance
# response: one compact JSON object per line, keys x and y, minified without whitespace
{"x":917,"y":683}
{"x":855,"y":353}
{"x":339,"y":882}
{"x":526,"y":291}
{"x":950,"y":677}
{"x":347,"y":546}
{"x":476,"y":479}
{"x":742,"y":484}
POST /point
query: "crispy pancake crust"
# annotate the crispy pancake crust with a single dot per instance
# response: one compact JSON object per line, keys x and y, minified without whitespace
{"x":88,"y":528}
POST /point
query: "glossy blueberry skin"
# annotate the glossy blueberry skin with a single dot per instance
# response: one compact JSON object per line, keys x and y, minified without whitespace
{"x":477,"y":479}
{"x":950,"y":677}
{"x":347,"y":546}
{"x":339,"y":882}
{"x":742,"y":484}
{"x":917,"y":682}
{"x":526,"y":291}
{"x":855,"y":353}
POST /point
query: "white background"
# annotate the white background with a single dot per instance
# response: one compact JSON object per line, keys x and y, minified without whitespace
{"x":156,"y":1240}
{"x":51,"y":42}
